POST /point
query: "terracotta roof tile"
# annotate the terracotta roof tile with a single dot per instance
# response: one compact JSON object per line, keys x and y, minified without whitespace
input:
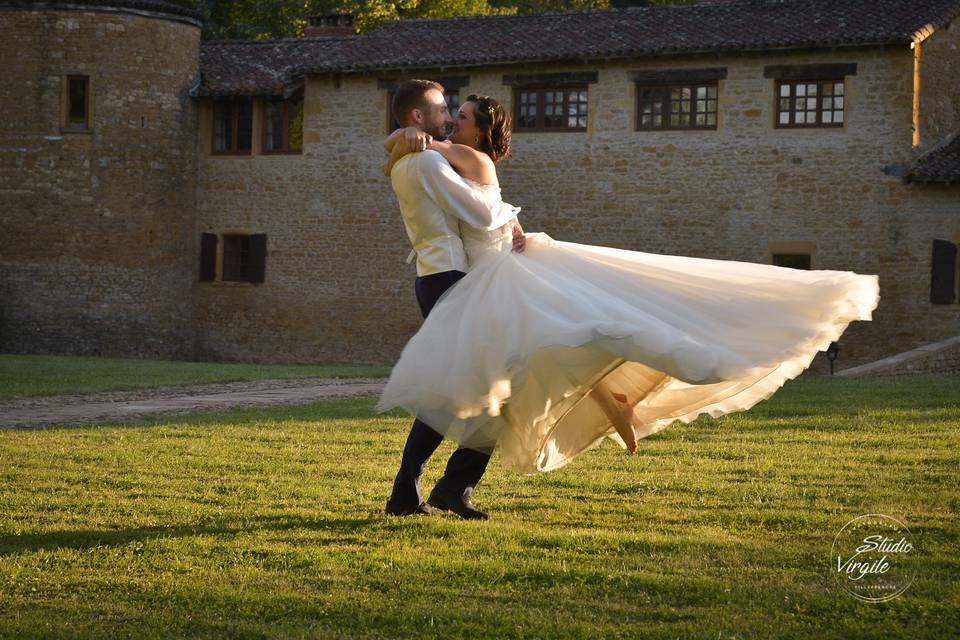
{"x":261,"y":67}
{"x":634,"y":32}
{"x":939,"y":164}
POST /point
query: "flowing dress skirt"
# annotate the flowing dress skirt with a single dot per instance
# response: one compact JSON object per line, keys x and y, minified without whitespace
{"x":510,"y":354}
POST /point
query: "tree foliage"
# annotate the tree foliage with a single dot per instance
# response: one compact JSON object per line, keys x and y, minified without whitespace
{"x":261,"y":19}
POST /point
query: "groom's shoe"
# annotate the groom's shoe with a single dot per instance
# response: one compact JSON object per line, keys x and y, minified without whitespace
{"x":460,"y":505}
{"x":421,"y":509}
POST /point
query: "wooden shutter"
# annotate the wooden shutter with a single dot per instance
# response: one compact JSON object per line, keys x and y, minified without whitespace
{"x":208,"y":257}
{"x":258,"y":257}
{"x":943,"y":274}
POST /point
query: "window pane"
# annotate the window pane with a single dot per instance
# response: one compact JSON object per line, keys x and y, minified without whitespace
{"x":236,"y":257}
{"x":553,"y":110}
{"x":785,"y":90}
{"x":222,"y":128}
{"x":838,"y":116}
{"x":801,"y":117}
{"x":244,"y":124}
{"x":295,"y":122}
{"x":453,"y":100}
{"x":828,"y":117}
{"x":273,"y":126}
{"x":77,"y":111}
{"x":528,"y":110}
{"x":838,"y":88}
{"x":801,"y":89}
{"x":784,"y":117}
{"x":792,"y":260}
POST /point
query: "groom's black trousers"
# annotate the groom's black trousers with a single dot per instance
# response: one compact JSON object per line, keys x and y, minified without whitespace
{"x":466,"y":466}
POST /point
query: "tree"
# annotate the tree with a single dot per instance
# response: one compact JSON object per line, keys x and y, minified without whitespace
{"x":261,"y":19}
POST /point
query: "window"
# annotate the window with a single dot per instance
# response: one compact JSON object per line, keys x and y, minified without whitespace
{"x":232,"y":126}
{"x":243,"y":258}
{"x":792,"y":260}
{"x":77,"y":103}
{"x":453,"y":100}
{"x":810,"y":103}
{"x":283,"y":125}
{"x":550,"y":109}
{"x":677,"y":107}
{"x":550,"y":101}
{"x":810,"y":95}
{"x":681,"y":98}
{"x":943,"y":272}
{"x":236,"y":258}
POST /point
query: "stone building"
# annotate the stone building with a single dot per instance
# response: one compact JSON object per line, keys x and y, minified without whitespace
{"x":224,"y":200}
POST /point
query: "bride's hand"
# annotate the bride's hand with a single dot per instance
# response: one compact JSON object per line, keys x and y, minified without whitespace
{"x":519,"y":240}
{"x":415,"y":140}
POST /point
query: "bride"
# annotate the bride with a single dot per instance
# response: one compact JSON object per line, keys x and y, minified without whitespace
{"x":554,"y":348}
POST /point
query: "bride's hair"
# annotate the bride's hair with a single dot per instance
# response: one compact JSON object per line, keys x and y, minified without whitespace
{"x":493,"y":121}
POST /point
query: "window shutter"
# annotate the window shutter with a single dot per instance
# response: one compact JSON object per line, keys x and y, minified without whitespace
{"x":943,"y":274}
{"x":208,"y":257}
{"x":258,"y":256}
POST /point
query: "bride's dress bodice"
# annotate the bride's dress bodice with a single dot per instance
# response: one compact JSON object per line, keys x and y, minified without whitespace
{"x":479,"y":244}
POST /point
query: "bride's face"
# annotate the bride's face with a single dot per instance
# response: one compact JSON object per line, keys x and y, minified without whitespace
{"x":465,"y":129}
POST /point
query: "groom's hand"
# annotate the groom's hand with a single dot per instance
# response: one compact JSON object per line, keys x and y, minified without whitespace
{"x":519,"y":240}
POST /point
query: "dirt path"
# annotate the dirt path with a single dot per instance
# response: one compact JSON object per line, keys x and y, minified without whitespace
{"x":92,"y":408}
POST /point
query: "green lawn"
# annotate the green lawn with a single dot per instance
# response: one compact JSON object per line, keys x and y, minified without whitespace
{"x":267,"y":524}
{"x":24,"y":375}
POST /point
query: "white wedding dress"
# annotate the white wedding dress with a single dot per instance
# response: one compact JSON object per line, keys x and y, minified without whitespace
{"x":510,"y":353}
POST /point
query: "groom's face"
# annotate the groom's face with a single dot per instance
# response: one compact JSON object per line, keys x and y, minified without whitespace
{"x":436,"y":117}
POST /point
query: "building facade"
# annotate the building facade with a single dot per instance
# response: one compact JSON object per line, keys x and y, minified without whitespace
{"x":254,"y":223}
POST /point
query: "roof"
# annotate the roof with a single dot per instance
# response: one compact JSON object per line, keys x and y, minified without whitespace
{"x":259,"y":67}
{"x":939,"y":164}
{"x":596,"y":35}
{"x":181,"y":10}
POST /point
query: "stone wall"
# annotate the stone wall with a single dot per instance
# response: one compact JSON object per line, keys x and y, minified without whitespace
{"x":99,"y":227}
{"x":338,"y":290}
{"x":939,"y":77}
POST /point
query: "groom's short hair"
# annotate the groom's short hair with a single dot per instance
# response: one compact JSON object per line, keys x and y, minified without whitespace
{"x":409,"y":95}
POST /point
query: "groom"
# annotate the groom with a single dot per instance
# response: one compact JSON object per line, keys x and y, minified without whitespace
{"x":434,"y":202}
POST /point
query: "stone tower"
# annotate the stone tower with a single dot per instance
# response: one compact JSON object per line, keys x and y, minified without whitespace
{"x":98,"y":158}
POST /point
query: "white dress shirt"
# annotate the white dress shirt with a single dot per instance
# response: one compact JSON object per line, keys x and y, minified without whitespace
{"x":434,"y":202}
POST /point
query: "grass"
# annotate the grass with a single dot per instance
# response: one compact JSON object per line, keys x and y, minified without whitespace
{"x":28,"y":375}
{"x":267,"y":524}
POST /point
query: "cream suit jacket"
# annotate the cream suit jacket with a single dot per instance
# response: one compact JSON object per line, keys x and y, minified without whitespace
{"x":434,"y":202}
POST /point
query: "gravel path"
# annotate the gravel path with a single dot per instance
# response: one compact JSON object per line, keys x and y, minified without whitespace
{"x":92,"y":408}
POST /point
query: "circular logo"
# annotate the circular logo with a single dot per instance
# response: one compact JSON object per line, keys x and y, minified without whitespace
{"x":874,"y":558}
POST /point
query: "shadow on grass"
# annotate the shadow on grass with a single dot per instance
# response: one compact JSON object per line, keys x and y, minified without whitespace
{"x":84,"y":539}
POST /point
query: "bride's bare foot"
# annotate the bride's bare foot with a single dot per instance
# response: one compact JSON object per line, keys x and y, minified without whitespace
{"x":624,"y":422}
{"x":619,"y":412}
